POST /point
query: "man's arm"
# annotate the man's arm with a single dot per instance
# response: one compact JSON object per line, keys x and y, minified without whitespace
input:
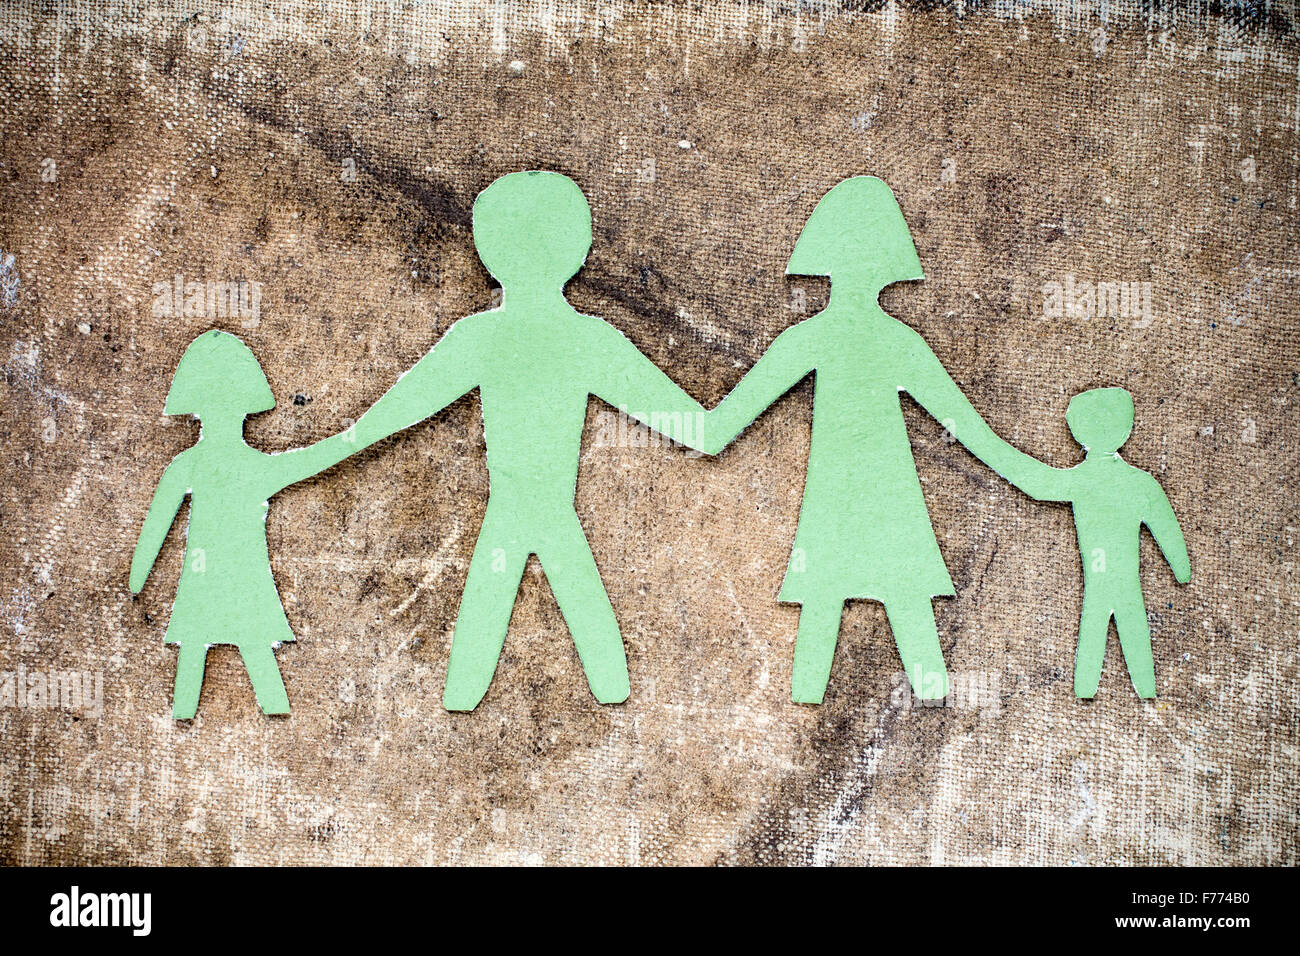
{"x":927,"y":381}
{"x":171,"y":491}
{"x":789,"y":358}
{"x":449,"y":370}
{"x":626,"y":379}
{"x":1159,"y":517}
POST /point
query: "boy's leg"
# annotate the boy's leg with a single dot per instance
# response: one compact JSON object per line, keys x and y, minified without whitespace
{"x":814,"y":650}
{"x":264,"y":672}
{"x":575,"y":582}
{"x":484,"y":616}
{"x":1135,"y":641}
{"x":189,"y":680}
{"x":917,"y":638}
{"x":1094,"y":626}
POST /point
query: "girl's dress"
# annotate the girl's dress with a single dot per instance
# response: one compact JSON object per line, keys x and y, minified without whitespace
{"x":226,"y":593}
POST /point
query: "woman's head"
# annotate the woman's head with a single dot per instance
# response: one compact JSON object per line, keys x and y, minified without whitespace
{"x":218,"y":377}
{"x":857,"y":230}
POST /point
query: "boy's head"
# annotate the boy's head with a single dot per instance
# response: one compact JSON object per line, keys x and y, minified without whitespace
{"x":1101,"y":419}
{"x":532,"y":229}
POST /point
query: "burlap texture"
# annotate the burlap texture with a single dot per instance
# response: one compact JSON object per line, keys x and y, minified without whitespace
{"x":331,"y":154}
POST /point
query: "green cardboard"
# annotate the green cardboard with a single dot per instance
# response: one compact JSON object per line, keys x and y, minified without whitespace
{"x":864,"y":531}
{"x":226,"y":594}
{"x":1112,"y":501}
{"x":535,"y":360}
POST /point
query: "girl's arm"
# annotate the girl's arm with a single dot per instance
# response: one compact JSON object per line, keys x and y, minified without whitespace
{"x":927,"y":381}
{"x":172,"y":489}
{"x":790,"y":357}
{"x":290,"y":467}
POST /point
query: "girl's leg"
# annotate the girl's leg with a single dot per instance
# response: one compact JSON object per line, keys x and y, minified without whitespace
{"x":1135,"y":640}
{"x":1094,"y":626}
{"x":814,"y":650}
{"x":484,"y":616}
{"x":912,"y":621}
{"x":575,"y":582}
{"x":264,"y":672}
{"x":189,"y":680}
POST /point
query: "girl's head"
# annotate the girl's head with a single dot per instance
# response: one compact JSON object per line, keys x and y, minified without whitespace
{"x":218,"y":378}
{"x":857,"y":230}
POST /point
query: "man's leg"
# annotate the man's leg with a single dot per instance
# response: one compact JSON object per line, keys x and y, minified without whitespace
{"x":575,"y":582}
{"x":1094,"y":626}
{"x":484,"y":617}
{"x":912,"y":621}
{"x":189,"y":680}
{"x":814,"y":650}
{"x":1135,"y":641}
{"x":264,"y":672}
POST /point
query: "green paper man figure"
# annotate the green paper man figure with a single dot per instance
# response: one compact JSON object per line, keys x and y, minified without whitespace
{"x":1112,"y":500}
{"x":535,"y":360}
{"x":864,"y":530}
{"x":226,"y":593}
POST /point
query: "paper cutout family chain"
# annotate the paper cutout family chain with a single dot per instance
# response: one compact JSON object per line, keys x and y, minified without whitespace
{"x":864,"y":531}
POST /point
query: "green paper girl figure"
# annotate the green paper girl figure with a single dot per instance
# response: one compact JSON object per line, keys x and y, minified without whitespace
{"x":1112,"y":501}
{"x":864,"y":529}
{"x":226,"y":593}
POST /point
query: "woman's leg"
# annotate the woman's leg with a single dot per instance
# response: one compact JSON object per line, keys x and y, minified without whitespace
{"x":814,"y":649}
{"x":912,"y":621}
{"x":189,"y":680}
{"x":264,"y":673}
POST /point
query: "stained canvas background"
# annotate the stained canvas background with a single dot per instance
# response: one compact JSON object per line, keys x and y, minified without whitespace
{"x":329,"y":153}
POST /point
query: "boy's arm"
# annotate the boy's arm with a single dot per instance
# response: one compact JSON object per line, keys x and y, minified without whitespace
{"x":171,"y":491}
{"x":929,"y":383}
{"x":787,"y":361}
{"x":448,"y":371}
{"x":626,"y":379}
{"x":1159,"y":517}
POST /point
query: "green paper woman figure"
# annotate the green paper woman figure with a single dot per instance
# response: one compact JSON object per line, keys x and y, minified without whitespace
{"x":226,"y":593}
{"x":1112,"y":501}
{"x":535,"y":360}
{"x":864,"y":530}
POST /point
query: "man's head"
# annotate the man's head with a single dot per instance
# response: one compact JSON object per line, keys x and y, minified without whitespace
{"x":1101,"y":419}
{"x":532,"y":229}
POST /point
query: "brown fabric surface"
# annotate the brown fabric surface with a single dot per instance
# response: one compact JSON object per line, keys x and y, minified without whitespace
{"x":1027,"y":142}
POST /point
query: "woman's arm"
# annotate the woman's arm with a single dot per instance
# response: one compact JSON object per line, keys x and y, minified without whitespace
{"x":927,"y":381}
{"x":791,"y":356}
{"x":167,"y":498}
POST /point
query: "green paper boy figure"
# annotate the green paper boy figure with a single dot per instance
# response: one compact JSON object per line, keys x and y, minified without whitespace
{"x":535,"y":360}
{"x":226,"y":593}
{"x":1112,"y":500}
